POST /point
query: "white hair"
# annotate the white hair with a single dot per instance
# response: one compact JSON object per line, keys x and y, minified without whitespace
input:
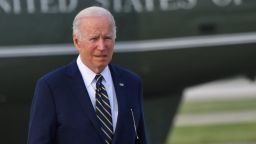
{"x":92,"y":11}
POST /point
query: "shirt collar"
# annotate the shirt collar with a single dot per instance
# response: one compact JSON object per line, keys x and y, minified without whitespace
{"x":88,"y":75}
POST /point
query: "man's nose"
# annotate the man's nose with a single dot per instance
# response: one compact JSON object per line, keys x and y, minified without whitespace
{"x":101,"y":44}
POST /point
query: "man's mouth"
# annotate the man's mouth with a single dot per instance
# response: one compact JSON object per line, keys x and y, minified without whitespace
{"x":100,"y":56}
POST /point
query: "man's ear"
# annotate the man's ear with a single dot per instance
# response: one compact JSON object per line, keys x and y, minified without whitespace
{"x":76,"y":42}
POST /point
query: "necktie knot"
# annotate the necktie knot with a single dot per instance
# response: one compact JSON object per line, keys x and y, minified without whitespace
{"x":98,"y":79}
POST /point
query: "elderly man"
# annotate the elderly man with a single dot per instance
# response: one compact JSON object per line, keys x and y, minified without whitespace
{"x":89,"y":101}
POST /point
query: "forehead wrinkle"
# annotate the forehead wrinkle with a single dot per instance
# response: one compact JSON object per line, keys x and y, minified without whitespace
{"x":90,"y":28}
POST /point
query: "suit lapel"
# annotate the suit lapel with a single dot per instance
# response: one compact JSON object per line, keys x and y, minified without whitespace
{"x":79,"y":91}
{"x":119,"y":85}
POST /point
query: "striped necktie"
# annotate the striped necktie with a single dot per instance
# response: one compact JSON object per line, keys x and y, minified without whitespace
{"x":103,"y":110}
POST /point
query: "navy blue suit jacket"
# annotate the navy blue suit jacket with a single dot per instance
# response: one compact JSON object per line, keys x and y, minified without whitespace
{"x":62,"y":112}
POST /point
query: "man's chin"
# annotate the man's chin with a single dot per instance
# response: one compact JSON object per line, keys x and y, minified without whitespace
{"x":102,"y":65}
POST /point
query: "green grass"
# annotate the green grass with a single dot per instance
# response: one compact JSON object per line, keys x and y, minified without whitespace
{"x":218,"y":106}
{"x":214,"y":134}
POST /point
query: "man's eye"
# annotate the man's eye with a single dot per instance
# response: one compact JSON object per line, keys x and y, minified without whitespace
{"x":93,"y":39}
{"x":108,"y":38}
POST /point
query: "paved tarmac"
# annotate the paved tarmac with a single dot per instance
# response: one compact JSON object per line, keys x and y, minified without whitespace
{"x":235,"y":88}
{"x":215,"y":118}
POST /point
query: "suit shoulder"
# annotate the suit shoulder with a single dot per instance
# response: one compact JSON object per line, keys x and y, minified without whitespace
{"x":55,"y":76}
{"x":125,"y":72}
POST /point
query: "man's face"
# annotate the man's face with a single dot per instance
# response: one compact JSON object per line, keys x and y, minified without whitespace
{"x":96,"y":43}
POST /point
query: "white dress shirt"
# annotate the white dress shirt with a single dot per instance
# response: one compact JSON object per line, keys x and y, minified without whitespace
{"x":90,"y":84}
